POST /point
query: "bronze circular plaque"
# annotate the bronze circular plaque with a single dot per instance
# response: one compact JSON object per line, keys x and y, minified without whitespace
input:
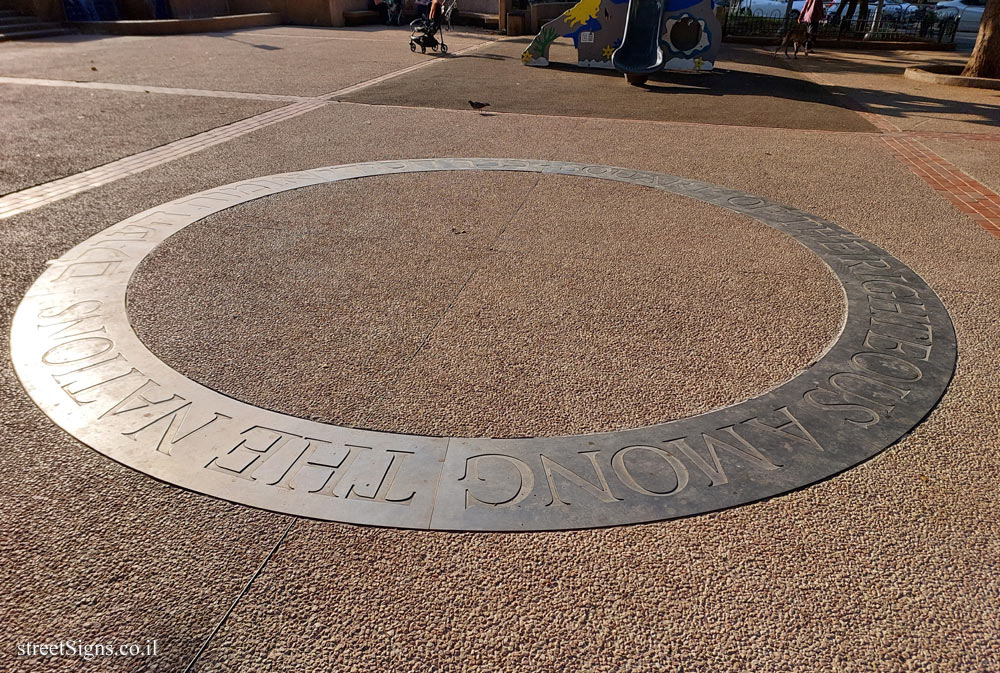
{"x":78,"y":357}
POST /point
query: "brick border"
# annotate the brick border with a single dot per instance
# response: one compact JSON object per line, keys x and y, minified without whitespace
{"x":959,"y":188}
{"x":953,"y":184}
{"x":964,"y":192}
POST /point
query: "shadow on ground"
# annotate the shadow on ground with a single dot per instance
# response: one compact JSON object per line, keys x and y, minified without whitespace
{"x":749,"y":90}
{"x":875,"y":80}
{"x":750,"y":87}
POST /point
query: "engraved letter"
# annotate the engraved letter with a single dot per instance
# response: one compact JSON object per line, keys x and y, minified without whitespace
{"x":603,"y":493}
{"x":626,"y":477}
{"x":887,"y":367}
{"x":524,"y":488}
{"x":869,"y":416}
{"x":717,"y":476}
{"x":176,"y":416}
{"x":77,"y":350}
{"x":780,"y":430}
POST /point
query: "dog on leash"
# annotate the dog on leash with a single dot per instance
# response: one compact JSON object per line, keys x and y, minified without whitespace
{"x":797,"y":34}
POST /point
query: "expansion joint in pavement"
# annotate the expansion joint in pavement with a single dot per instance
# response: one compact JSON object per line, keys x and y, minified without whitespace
{"x":246,"y":588}
{"x":56,"y":190}
{"x":458,"y":293}
{"x":167,"y":90}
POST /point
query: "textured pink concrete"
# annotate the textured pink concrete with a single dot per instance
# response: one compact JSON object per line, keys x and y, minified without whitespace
{"x":875,"y":80}
{"x":890,"y":566}
{"x":281,"y":64}
{"x":486,"y":305}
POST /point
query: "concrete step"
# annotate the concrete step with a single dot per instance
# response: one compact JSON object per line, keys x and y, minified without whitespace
{"x":8,"y":12}
{"x":360,"y":17}
{"x":478,"y":18}
{"x":27,"y":27}
{"x":31,"y":34}
{"x":16,"y":20}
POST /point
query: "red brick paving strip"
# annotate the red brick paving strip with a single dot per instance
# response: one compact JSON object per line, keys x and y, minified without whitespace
{"x":963,"y":191}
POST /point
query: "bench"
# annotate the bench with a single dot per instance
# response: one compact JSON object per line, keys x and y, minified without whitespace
{"x":478,"y":18}
{"x":360,"y":17}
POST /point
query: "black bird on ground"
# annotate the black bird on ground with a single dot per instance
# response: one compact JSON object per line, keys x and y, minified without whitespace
{"x":476,"y":105}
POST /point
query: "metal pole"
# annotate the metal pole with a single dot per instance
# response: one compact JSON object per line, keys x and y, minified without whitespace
{"x":873,"y":31}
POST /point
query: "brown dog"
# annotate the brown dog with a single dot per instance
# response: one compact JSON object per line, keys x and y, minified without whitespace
{"x":797,"y":35}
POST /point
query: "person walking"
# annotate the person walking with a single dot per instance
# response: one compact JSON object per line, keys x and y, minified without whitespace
{"x":812,"y":14}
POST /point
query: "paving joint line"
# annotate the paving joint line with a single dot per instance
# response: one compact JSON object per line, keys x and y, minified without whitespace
{"x":56,"y":190}
{"x":398,"y":73}
{"x":239,"y":597}
{"x":47,"y":193}
{"x":138,"y":88}
{"x":489,"y":253}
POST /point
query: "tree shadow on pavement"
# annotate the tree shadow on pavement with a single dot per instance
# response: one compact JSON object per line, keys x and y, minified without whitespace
{"x":727,"y":82}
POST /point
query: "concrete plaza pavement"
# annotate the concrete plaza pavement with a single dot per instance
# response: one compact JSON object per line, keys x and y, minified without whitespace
{"x":490,"y":304}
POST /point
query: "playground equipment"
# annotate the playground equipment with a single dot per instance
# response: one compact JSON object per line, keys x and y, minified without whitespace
{"x":636,"y":37}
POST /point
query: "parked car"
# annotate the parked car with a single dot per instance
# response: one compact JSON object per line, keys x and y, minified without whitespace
{"x":776,"y":8}
{"x":970,"y":12}
{"x":898,"y":11}
{"x":772,"y":8}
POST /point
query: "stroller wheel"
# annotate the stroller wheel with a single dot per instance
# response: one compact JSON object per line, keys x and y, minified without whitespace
{"x":444,"y":48}
{"x":413,"y":47}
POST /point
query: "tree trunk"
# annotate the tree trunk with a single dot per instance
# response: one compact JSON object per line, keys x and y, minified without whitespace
{"x":985,"y":59}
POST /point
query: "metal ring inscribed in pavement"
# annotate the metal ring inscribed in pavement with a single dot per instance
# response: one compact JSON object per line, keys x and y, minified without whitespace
{"x":80,"y":361}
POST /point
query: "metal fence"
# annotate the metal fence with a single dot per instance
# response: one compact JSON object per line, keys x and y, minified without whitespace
{"x":894,"y":22}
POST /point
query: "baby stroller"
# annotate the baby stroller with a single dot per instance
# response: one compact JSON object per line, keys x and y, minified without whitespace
{"x":427,"y":33}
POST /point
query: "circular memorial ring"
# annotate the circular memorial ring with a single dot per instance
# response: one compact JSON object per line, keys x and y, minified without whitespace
{"x":81,"y":362}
